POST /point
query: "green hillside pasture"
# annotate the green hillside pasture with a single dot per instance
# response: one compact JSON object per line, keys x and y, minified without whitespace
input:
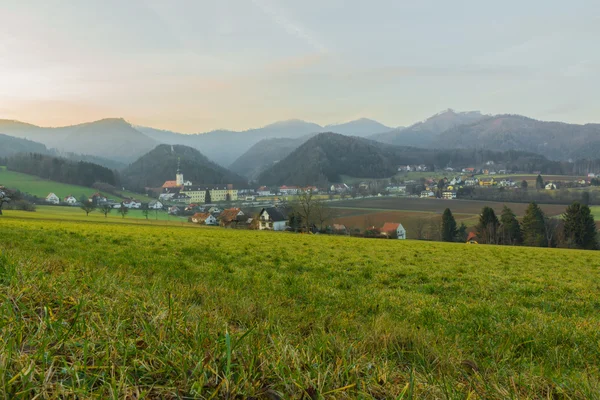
{"x":130,"y":311}
{"x":36,"y":186}
{"x":77,"y":214}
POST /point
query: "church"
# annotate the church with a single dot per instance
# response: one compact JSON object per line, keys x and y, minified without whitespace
{"x":197,"y":193}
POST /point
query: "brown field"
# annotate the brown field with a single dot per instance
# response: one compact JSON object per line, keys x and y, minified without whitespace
{"x":471,"y":207}
{"x":409,"y":219}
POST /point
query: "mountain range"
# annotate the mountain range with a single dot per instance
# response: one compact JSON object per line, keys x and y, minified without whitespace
{"x":251,"y":152}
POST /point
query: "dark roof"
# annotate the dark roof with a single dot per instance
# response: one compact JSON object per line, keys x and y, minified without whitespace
{"x":275,"y":214}
{"x":205,"y":187}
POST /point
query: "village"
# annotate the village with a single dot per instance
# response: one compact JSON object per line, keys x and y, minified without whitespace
{"x":269,"y":208}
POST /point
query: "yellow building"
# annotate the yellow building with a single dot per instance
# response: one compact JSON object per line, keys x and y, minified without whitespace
{"x":197,"y":194}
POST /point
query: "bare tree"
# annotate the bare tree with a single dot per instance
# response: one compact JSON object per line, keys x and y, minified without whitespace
{"x":123,"y":210}
{"x":323,"y":213}
{"x":105,"y":209}
{"x":88,"y":207}
{"x":420,"y":229}
{"x":551,"y":227}
{"x":305,"y":206}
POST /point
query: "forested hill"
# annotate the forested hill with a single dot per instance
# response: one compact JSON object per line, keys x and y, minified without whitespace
{"x":327,"y":156}
{"x":61,"y":170}
{"x":265,"y":154}
{"x":160,"y":165}
{"x":11,"y":145}
{"x":555,"y":140}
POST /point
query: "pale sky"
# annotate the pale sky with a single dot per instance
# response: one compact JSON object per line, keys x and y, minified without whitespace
{"x":197,"y":65}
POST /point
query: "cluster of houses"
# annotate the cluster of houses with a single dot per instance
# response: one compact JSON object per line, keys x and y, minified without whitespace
{"x":275,"y":219}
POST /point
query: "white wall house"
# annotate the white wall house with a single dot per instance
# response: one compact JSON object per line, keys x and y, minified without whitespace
{"x":392,"y":227}
{"x":70,"y":200}
{"x":132,"y":204}
{"x":155,"y":205}
{"x":288,"y":190}
{"x":52,"y":198}
{"x":271,"y":219}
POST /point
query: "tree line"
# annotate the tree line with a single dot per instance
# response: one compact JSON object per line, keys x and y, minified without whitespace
{"x":575,"y":229}
{"x":57,"y":169}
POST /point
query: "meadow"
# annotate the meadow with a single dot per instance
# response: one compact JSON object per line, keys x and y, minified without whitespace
{"x":68,"y":213}
{"x":132,"y":310}
{"x":39,"y":187}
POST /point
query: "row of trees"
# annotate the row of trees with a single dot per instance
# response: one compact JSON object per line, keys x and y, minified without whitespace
{"x":89,"y":207}
{"x":61,"y":170}
{"x":576,"y":228}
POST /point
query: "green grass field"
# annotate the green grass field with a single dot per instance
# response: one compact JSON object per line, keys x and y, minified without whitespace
{"x":596,"y":212}
{"x":113,"y":310}
{"x":36,"y":186}
{"x":77,"y":214}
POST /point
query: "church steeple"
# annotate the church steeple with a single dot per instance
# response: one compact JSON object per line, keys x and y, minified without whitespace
{"x":179,"y":176}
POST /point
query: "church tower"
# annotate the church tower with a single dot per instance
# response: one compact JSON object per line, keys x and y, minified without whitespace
{"x":179,"y":176}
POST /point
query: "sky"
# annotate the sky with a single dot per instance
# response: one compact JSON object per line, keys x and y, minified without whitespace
{"x":197,"y":65}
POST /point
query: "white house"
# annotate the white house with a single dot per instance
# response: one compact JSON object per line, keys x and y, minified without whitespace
{"x":271,"y":219}
{"x":132,"y":204}
{"x":155,"y":205}
{"x":204,"y":218}
{"x":263,"y":191}
{"x":390,"y":228}
{"x":70,"y":200}
{"x":52,"y":198}
{"x":288,"y":190}
{"x":449,"y":195}
{"x":550,"y":186}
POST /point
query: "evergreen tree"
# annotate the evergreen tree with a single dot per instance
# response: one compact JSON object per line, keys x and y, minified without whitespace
{"x":539,"y":182}
{"x":580,"y":228}
{"x":461,"y":233}
{"x":534,"y":227}
{"x":585,"y":198}
{"x":207,"y":199}
{"x":448,"y":226}
{"x":488,"y":226}
{"x":524,"y":184}
{"x":510,"y":228}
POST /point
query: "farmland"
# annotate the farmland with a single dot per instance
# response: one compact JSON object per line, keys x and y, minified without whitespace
{"x":39,"y":187}
{"x":129,"y":310}
{"x":363,"y":213}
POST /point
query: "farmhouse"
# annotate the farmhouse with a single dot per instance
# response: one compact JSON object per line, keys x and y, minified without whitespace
{"x":339,"y":229}
{"x":263,"y":191}
{"x":204,"y":218}
{"x":271,"y":219}
{"x":52,"y":198}
{"x":155,"y":205}
{"x":132,"y":204}
{"x":550,"y":186}
{"x":70,"y":200}
{"x":339,"y":188}
{"x":97,"y":198}
{"x":231,"y":216}
{"x":394,"y":229}
{"x":288,"y":190}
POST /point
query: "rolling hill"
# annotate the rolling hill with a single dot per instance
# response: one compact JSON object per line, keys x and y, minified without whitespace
{"x":160,"y":165}
{"x":264,"y":154}
{"x":362,"y":127}
{"x":327,"y":156}
{"x":10,"y":145}
{"x":424,"y":134}
{"x":111,"y":138}
{"x":555,"y":140}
